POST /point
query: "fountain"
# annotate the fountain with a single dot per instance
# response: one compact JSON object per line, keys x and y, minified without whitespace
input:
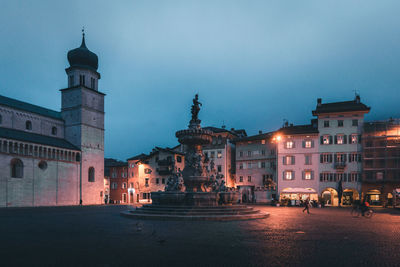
{"x":196,"y":193}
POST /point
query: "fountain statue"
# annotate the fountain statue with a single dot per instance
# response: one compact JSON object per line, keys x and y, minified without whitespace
{"x":196,"y":192}
{"x":195,"y":185}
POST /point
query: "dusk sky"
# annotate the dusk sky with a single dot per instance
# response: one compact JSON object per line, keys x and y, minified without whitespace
{"x":253,"y":63}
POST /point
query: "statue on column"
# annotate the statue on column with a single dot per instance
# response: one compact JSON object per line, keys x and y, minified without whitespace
{"x":195,"y":109}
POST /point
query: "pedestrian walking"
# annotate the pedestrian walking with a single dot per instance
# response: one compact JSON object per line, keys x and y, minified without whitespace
{"x":307,"y":205}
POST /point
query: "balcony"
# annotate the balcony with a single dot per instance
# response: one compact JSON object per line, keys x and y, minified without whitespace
{"x":165,"y":162}
{"x":165,"y":170}
{"x":339,"y":165}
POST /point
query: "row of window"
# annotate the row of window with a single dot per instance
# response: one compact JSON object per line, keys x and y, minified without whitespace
{"x":340,"y":139}
{"x":335,"y":177}
{"x":265,"y":178}
{"x":340,"y":123}
{"x":290,"y":175}
{"x":211,"y":154}
{"x":305,"y":144}
{"x":254,"y":165}
{"x":28,"y":126}
{"x":340,"y":157}
{"x":114,"y":185}
{"x":37,"y":151}
{"x":17,"y":169}
{"x":82,"y":81}
{"x":251,"y":153}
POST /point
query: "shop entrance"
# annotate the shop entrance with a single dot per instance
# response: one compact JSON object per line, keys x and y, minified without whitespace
{"x":330,"y":197}
{"x":349,"y":196}
{"x":373,"y":197}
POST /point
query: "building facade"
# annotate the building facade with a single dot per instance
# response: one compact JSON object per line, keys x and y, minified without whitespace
{"x":256,"y":168}
{"x":340,"y":126}
{"x":298,"y":162}
{"x":53,"y":158}
{"x":381,"y":161}
{"x":117,"y":173}
{"x":150,"y":173}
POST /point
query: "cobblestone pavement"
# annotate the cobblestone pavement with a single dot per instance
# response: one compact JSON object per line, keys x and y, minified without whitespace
{"x":99,"y":236}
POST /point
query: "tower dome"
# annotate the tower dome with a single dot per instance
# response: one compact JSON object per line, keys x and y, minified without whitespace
{"x":82,"y":57}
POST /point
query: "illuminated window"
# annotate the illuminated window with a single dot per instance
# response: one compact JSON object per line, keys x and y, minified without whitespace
{"x":308,"y":144}
{"x":289,"y":144}
{"x":339,"y":139}
{"x":307,"y":175}
{"x":288,"y":160}
{"x":212,"y":154}
{"x":123,"y":185}
{"x":326,"y":139}
{"x":288,"y":175}
{"x":354,"y":139}
{"x":219,"y":154}
{"x":263,"y":142}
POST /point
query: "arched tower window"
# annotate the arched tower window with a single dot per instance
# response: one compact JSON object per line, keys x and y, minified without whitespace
{"x":17,"y":168}
{"x":54,"y":131}
{"x":91,"y":174}
{"x":28,"y":125}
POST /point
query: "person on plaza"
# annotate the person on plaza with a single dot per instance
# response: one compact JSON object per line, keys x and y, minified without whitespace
{"x":307,"y":205}
{"x":364,"y":207}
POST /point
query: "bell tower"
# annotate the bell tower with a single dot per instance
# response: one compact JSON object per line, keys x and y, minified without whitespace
{"x":82,"y":108}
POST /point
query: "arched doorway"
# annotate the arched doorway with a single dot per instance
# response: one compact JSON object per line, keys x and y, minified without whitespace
{"x":373,"y":197}
{"x":349,"y":195}
{"x":330,"y":197}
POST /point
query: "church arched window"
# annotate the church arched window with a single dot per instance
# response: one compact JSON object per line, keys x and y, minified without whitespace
{"x":17,"y":168}
{"x":54,"y":131}
{"x":28,"y":125}
{"x":91,"y":174}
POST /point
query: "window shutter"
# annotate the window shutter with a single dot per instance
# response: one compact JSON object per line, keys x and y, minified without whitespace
{"x":284,"y":161}
{"x":294,"y":144}
{"x":321,"y":177}
{"x":334,"y":177}
{"x":302,"y":175}
{"x":303,"y":144}
{"x":283,"y":175}
{"x":350,"y":158}
{"x":359,"y":139}
{"x":359,"y":157}
{"x":293,"y":160}
{"x":335,"y":157}
{"x":335,"y":139}
{"x":345,"y":139}
{"x":259,"y":164}
{"x":312,"y":143}
{"x":322,"y":140}
{"x":312,"y":175}
{"x":344,"y":157}
{"x":321,"y":158}
{"x":292,"y":175}
{"x":330,"y":139}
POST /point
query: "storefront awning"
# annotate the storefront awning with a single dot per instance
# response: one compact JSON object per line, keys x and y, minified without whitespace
{"x":298,"y":190}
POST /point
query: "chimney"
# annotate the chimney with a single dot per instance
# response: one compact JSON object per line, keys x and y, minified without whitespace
{"x":319,"y":102}
{"x":286,"y":123}
{"x":259,"y":132}
{"x":357,"y":99}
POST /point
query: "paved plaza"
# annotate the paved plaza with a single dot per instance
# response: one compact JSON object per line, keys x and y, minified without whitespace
{"x":99,"y":236}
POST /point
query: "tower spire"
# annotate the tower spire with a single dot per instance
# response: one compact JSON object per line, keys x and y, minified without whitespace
{"x":83,"y":45}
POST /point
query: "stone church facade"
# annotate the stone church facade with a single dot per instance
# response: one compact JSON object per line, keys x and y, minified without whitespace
{"x":50,"y":158}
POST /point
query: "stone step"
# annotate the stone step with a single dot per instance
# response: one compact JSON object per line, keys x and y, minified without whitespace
{"x":134,"y":215}
{"x":197,"y":207}
{"x":194,"y":209}
{"x":191,"y":213}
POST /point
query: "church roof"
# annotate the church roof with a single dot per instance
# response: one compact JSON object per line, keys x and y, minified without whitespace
{"x":35,"y":138}
{"x":13,"y":103}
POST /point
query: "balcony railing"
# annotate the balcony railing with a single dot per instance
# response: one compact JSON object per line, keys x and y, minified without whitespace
{"x":165,"y":162}
{"x":340,"y":165}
